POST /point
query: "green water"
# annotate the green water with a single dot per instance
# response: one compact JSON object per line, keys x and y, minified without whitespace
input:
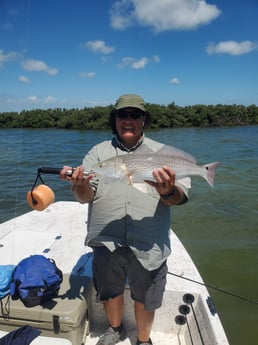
{"x":219,"y":226}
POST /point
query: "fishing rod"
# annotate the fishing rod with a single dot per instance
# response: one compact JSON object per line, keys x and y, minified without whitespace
{"x":56,"y":171}
{"x":216,"y":288}
{"x":41,"y":196}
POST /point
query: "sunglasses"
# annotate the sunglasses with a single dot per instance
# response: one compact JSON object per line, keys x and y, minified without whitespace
{"x":124,"y":114}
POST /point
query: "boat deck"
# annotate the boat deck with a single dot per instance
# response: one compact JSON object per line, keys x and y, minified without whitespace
{"x":59,"y":233}
{"x":165,"y":337}
{"x":158,"y":338}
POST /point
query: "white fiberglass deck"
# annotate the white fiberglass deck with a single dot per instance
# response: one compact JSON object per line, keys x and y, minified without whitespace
{"x":59,"y":233}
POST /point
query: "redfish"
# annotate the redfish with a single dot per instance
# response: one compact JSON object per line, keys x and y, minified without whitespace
{"x":139,"y":165}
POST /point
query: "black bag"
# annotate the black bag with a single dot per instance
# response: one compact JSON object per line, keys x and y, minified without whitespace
{"x":35,"y":280}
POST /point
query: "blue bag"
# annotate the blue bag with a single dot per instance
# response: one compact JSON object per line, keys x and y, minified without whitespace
{"x":36,"y":279}
{"x":6,"y":272}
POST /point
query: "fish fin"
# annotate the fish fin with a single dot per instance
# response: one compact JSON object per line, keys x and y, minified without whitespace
{"x":210,"y":174}
{"x":185,"y":182}
{"x":166,"y":150}
{"x":141,"y":187}
{"x":174,"y":151}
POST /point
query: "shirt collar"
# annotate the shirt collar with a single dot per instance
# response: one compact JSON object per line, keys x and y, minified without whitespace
{"x":124,"y":148}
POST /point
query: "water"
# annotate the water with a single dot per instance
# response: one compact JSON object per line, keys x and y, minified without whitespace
{"x":218,"y":226}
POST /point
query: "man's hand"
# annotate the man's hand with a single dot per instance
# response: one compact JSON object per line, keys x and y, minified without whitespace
{"x":170,"y":194}
{"x":165,"y":178}
{"x":81,"y":186}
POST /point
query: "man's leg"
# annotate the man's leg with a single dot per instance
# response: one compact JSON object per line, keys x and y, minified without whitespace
{"x":114,"y":310}
{"x":107,"y":270}
{"x":115,"y":332}
{"x":144,"y":321}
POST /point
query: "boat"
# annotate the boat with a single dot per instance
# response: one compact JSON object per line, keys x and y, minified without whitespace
{"x":187,"y":316}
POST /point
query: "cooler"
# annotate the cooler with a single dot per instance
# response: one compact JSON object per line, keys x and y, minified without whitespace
{"x":65,"y":316}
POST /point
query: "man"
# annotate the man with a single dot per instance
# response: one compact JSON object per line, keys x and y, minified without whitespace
{"x":128,"y":227}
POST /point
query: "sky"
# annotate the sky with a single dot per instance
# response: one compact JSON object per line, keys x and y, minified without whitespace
{"x":82,"y":53}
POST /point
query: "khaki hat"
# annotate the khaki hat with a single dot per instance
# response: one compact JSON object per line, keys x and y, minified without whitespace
{"x":130,"y":101}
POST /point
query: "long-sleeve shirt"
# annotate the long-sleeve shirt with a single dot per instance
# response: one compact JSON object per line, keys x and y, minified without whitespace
{"x":126,"y":215}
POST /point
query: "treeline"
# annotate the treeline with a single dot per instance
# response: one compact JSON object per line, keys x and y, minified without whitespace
{"x":163,"y":116}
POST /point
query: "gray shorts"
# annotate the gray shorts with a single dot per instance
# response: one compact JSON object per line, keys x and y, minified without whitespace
{"x":112,"y":269}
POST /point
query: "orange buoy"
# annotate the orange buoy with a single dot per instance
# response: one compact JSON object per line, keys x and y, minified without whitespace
{"x":40,"y":197}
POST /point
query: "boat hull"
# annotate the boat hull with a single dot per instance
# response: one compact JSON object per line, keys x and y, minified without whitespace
{"x":187,"y":315}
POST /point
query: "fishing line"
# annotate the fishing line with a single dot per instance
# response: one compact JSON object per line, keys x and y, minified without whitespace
{"x":216,"y":288}
{"x":24,"y":39}
{"x":20,"y":140}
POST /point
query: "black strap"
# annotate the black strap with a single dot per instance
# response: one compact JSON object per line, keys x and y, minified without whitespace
{"x":5,"y":307}
{"x":56,"y":324}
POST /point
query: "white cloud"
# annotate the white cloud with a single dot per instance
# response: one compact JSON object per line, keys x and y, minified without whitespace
{"x":175,"y":81}
{"x":162,"y":15}
{"x":7,"y":57}
{"x":99,"y":46}
{"x":139,"y":64}
{"x":39,"y":101}
{"x":156,"y":58}
{"x":122,"y":14}
{"x":33,"y":99}
{"x":232,"y":47}
{"x":87,"y":75}
{"x":38,"y":66}
{"x":52,"y":71}
{"x":23,"y":79}
{"x":49,"y":99}
{"x":126,"y":61}
{"x":133,"y":63}
{"x":12,"y":103}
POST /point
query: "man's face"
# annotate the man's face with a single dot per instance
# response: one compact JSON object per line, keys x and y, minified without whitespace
{"x":129,"y":124}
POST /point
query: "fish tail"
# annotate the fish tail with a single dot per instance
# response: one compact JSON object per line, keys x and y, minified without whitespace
{"x":210,"y":172}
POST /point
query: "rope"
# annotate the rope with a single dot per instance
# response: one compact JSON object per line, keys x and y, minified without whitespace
{"x":249,"y":300}
{"x":38,"y":177}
